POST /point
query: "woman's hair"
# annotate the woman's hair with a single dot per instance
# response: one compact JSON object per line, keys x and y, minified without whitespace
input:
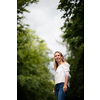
{"x":55,"y":62}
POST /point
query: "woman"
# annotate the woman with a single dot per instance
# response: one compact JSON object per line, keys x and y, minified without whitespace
{"x":62,"y":76}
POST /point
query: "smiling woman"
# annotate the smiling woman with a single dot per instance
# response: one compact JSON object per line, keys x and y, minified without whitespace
{"x":57,"y":59}
{"x":62,"y":76}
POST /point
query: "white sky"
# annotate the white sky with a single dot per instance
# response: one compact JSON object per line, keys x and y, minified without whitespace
{"x":46,"y":20}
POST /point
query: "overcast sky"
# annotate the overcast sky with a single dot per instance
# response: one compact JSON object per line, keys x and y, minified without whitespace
{"x":46,"y":20}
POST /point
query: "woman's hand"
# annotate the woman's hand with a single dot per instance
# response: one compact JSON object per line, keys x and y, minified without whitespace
{"x":64,"y":88}
{"x":53,"y":91}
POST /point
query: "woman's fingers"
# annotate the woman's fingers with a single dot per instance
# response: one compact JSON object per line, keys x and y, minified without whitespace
{"x":64,"y":89}
{"x":53,"y":91}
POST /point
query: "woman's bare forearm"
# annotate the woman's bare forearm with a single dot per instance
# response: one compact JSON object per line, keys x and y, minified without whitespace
{"x":66,"y":80}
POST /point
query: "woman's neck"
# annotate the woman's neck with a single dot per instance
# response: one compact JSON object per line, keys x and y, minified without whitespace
{"x":59,"y":63}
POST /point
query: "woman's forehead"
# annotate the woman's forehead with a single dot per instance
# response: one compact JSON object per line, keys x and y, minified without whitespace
{"x":57,"y":53}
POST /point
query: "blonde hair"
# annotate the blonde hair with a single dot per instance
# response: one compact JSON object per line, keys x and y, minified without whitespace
{"x":55,"y":62}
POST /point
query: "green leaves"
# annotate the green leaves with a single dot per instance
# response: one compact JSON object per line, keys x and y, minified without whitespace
{"x":21,"y":8}
{"x":33,"y":75}
{"x":73,"y":35}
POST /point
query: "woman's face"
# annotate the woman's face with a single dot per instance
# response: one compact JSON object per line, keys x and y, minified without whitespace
{"x":57,"y":57}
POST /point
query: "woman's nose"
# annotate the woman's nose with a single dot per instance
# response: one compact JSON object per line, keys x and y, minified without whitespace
{"x":57,"y":57}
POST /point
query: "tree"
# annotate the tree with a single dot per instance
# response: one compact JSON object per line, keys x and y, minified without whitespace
{"x":21,"y":8}
{"x":73,"y":35}
{"x":33,"y":75}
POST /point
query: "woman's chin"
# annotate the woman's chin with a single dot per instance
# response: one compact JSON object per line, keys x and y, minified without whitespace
{"x":58,"y":60}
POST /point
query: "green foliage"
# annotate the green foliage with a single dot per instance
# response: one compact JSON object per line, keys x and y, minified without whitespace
{"x":21,"y":8}
{"x":73,"y":35}
{"x":21,"y":4}
{"x":33,"y":75}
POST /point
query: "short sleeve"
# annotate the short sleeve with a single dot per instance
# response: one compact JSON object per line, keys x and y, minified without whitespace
{"x":66,"y":68}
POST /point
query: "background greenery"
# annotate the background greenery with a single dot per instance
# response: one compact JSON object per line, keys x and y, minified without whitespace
{"x":73,"y":36}
{"x":34,"y":79}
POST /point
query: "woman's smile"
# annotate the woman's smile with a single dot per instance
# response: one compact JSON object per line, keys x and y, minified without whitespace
{"x":57,"y":57}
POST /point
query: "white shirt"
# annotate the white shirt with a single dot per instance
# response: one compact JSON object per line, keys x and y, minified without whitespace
{"x":62,"y":71}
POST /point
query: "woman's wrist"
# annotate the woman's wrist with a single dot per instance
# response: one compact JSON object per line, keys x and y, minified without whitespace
{"x":65,"y":84}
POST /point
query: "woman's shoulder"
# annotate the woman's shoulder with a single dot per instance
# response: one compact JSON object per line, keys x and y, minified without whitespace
{"x":66,"y":63}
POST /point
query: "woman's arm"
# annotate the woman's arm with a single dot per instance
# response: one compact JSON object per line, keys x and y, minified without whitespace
{"x":65,"y":84}
{"x":66,"y":80}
